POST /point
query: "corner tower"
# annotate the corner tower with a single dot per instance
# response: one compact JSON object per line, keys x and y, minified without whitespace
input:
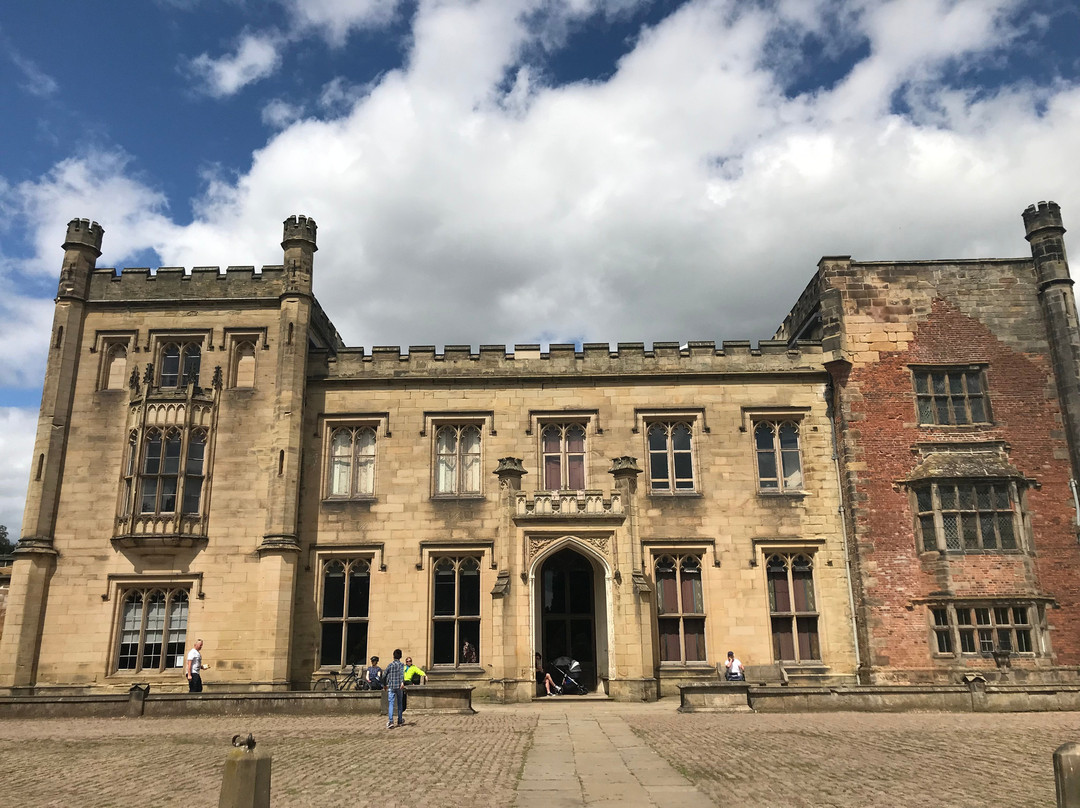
{"x":35,"y":555}
{"x":1045,"y":233}
{"x":280,"y":546}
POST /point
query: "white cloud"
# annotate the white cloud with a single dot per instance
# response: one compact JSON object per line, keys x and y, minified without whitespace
{"x":98,"y":183}
{"x":685,"y":197}
{"x":279,"y":113}
{"x":35,"y":80}
{"x":256,"y":57}
{"x":339,"y":94}
{"x":17,"y":429}
{"x":462,"y":200}
{"x":336,"y":19}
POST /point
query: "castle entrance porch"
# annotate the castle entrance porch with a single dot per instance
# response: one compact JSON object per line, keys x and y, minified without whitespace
{"x":567,"y":606}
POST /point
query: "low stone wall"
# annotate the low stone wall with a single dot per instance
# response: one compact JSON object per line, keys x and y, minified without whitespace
{"x":974,"y":697}
{"x":422,"y":699}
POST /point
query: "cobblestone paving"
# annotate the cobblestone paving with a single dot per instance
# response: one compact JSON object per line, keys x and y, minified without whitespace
{"x":324,"y":761}
{"x":912,"y":760}
{"x":839,"y":759}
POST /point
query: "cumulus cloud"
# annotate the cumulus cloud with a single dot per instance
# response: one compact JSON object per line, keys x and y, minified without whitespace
{"x":256,"y":57}
{"x":339,"y":94}
{"x":461,"y":198}
{"x":280,"y":113}
{"x":336,"y":19}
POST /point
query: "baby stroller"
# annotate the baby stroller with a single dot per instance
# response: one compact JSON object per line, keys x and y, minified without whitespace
{"x":570,"y":669}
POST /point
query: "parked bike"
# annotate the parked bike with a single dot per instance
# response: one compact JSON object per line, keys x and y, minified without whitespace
{"x":351,"y":681}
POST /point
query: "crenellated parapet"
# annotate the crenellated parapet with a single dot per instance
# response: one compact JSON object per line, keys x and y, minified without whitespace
{"x":596,"y":359}
{"x":84,"y":233}
{"x":135,"y":284}
{"x":299,"y":228}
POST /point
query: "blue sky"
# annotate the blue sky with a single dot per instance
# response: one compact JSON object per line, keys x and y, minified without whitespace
{"x":488,"y":171}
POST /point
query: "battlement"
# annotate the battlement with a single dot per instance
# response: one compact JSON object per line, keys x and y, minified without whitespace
{"x":299,"y":228}
{"x":592,"y":358}
{"x":140,"y":284}
{"x":84,"y":233}
{"x":1046,"y":215}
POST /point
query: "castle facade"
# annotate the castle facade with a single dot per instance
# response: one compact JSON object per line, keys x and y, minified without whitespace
{"x":883,"y":493}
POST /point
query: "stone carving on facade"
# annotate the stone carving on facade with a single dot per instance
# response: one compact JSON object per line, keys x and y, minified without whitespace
{"x":537,"y":544}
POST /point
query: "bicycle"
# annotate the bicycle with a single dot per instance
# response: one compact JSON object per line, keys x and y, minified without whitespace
{"x":352,"y":681}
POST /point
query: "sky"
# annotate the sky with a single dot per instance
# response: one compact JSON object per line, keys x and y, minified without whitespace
{"x":522,"y":171}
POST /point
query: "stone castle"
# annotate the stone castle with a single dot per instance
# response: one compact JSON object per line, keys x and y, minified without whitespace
{"x":883,"y":493}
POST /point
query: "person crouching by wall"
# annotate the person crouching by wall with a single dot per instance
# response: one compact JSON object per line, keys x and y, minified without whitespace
{"x":733,"y":668}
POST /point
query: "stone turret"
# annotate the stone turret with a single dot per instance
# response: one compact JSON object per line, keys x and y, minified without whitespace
{"x":82,"y":248}
{"x":1045,"y":233}
{"x":299,"y":245}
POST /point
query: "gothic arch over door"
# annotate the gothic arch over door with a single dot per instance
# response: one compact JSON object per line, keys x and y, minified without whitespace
{"x":567,"y":606}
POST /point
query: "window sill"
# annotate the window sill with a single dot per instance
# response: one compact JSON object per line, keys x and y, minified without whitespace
{"x":471,"y":669}
{"x":676,"y":494}
{"x":980,"y":552}
{"x":127,"y":675}
{"x":769,"y":494}
{"x":959,"y":427}
{"x":687,"y":666}
{"x":456,"y":497}
{"x":347,"y":500}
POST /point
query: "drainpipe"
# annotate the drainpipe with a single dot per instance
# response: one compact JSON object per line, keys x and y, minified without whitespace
{"x":1076,"y":506}
{"x":830,"y":393}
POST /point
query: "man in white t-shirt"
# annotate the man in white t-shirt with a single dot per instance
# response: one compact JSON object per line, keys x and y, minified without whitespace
{"x":733,"y":668}
{"x":192,"y":665}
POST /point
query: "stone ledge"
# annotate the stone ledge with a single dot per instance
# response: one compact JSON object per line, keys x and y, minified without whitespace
{"x":976,"y":697}
{"x":422,"y":699}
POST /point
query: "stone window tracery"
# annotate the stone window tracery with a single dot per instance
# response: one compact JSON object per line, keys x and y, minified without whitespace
{"x":351,"y":473}
{"x":680,"y":608}
{"x":671,"y":460}
{"x":562,"y":448}
{"x":457,"y":460}
{"x":153,"y":629}
{"x":163,"y":466}
{"x":793,"y":607}
{"x":343,"y":618}
{"x":779,"y":460}
{"x":180,"y":363}
{"x":455,"y":619}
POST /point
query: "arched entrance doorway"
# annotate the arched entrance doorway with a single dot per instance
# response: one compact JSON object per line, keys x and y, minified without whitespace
{"x":568,"y":611}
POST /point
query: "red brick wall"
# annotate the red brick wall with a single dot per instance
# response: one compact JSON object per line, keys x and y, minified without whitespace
{"x":878,"y":405}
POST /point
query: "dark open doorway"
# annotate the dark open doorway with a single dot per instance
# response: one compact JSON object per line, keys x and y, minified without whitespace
{"x":568,"y":612}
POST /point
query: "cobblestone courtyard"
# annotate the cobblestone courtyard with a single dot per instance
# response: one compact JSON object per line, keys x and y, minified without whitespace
{"x":589,"y":754}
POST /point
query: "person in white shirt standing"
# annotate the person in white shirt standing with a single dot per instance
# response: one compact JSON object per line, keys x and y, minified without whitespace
{"x":192,"y":665}
{"x":733,"y":668}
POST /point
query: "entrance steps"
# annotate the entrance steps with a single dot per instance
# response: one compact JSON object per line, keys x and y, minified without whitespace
{"x":597,"y":696}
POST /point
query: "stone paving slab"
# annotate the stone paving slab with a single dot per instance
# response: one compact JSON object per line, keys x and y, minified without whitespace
{"x":530,"y":755}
